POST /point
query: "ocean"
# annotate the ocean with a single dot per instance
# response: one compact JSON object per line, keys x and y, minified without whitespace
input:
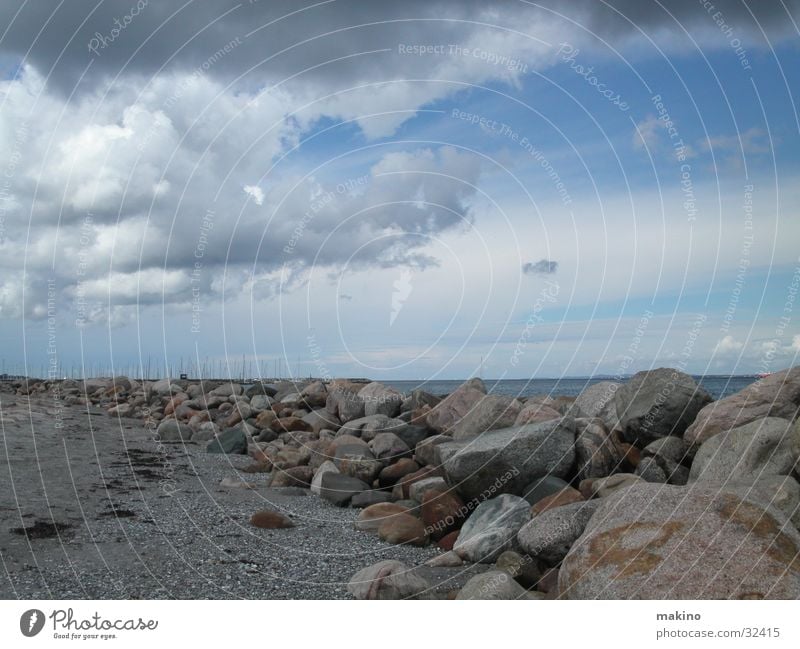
{"x":717,"y":386}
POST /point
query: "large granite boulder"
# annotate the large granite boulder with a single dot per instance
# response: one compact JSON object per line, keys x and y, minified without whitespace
{"x":343,"y":401}
{"x":777,"y":395}
{"x":550,"y":535}
{"x":489,"y":413}
{"x":596,"y":453}
{"x":492,"y":528}
{"x":320,"y":419}
{"x":338,"y":489}
{"x":506,"y":461}
{"x":766,"y":446}
{"x":447,"y":413}
{"x":357,"y":462}
{"x":315,"y":395}
{"x":380,"y":399}
{"x":597,"y":401}
{"x":535,"y":412}
{"x":173,"y":431}
{"x":658,"y":403}
{"x":230,"y":442}
{"x":389,"y":447}
{"x":654,"y":541}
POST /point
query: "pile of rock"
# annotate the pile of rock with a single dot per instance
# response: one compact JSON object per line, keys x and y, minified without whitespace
{"x":646,"y":489}
{"x":631,"y":490}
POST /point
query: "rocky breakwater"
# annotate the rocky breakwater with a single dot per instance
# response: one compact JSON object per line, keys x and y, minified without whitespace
{"x":604,"y":496}
{"x":631,"y":490}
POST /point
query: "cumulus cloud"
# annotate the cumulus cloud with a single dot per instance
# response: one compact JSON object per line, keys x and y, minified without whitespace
{"x":130,"y":160}
{"x":131,"y":189}
{"x":541,"y":267}
{"x":728,"y":345}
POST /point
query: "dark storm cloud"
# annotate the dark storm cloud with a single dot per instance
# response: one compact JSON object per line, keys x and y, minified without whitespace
{"x":541,"y":267}
{"x":142,"y":36}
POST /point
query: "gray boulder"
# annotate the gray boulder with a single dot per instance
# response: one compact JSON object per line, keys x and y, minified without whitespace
{"x":505,"y":461}
{"x":419,"y":398}
{"x":338,"y":489}
{"x":411,"y":434}
{"x":380,"y":399}
{"x":374,"y":423}
{"x":597,"y":401}
{"x":658,"y":403}
{"x":492,"y":528}
{"x":321,"y":419}
{"x":389,"y":447}
{"x":550,"y":535}
{"x":762,"y":447}
{"x":357,"y":461}
{"x":344,"y":402}
{"x":596,"y":453}
{"x":326,"y":467}
{"x":424,"y":451}
{"x":230,"y":442}
{"x":777,"y":491}
{"x":173,"y":431}
{"x":494,"y":585}
{"x":777,"y":395}
{"x":227,"y":389}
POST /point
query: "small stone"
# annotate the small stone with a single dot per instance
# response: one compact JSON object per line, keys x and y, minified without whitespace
{"x":235,"y":483}
{"x":270,"y":520}
{"x":387,"y":580}
{"x":494,"y":584}
{"x":524,"y":569}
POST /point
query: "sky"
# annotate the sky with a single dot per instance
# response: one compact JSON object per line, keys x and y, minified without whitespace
{"x":416,"y":190}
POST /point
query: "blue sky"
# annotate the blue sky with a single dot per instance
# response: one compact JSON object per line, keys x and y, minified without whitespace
{"x":374,"y":213}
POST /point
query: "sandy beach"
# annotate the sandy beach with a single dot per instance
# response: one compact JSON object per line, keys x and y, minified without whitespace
{"x":112,"y":514}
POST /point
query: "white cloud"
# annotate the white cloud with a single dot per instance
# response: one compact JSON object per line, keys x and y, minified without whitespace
{"x":728,"y":345}
{"x":256,"y":192}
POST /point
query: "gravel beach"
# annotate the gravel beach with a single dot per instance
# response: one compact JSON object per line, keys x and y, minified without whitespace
{"x":94,"y":508}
